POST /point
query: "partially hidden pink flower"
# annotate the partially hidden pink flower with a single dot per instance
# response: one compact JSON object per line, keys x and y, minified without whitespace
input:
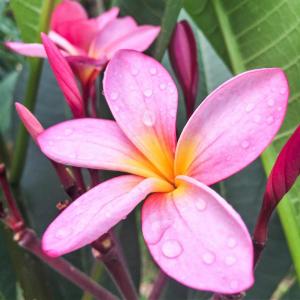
{"x":183,"y":57}
{"x":90,"y":43}
{"x":193,"y":234}
{"x":281,"y":179}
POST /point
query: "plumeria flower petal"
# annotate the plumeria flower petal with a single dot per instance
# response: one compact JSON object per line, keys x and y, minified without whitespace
{"x":143,"y":99}
{"x":197,"y":238}
{"x":64,"y":77}
{"x":186,"y":225}
{"x":95,"y":212}
{"x":233,"y":125}
{"x":94,"y":144}
{"x":95,"y":38}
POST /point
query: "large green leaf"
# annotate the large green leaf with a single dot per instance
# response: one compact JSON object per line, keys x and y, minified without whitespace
{"x":252,"y":34}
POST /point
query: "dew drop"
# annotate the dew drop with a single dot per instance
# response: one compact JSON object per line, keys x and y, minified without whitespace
{"x":149,"y":118}
{"x":114,"y":95}
{"x":279,"y":108}
{"x":152,"y":71}
{"x":270,"y":120}
{"x":200,"y":204}
{"x":162,"y":86}
{"x":171,"y":249}
{"x":231,"y":242}
{"x":245,"y":144}
{"x":208,"y":258}
{"x":62,"y":233}
{"x":282,"y":91}
{"x":50,"y":143}
{"x":271,"y":102}
{"x":68,"y":131}
{"x":116,"y":108}
{"x":173,"y":113}
{"x":230,"y":260}
{"x":249,"y":107}
{"x":158,"y":228}
{"x":148,"y":93}
{"x":72,"y":155}
{"x":234,"y":284}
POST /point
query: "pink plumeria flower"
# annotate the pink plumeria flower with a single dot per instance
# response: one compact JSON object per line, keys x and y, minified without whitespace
{"x":90,"y":43}
{"x":193,"y":234}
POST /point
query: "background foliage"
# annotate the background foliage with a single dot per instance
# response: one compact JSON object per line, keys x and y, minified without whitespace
{"x":232,"y":36}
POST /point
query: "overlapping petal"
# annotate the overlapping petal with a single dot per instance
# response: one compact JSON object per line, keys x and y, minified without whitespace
{"x":139,"y":39}
{"x":31,"y":50}
{"x":233,"y":125}
{"x":197,"y":238}
{"x":95,"y":144}
{"x":95,"y":212}
{"x":66,"y":12}
{"x":143,"y":99}
{"x":106,"y":17}
{"x":64,"y":76}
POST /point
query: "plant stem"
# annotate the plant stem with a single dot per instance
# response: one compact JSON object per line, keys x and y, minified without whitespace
{"x":29,"y":241}
{"x":79,"y":179}
{"x":106,"y":249}
{"x":21,"y":145}
{"x":158,"y":286}
{"x":4,"y":155}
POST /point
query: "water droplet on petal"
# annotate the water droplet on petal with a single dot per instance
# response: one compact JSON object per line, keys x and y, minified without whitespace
{"x":270,"y":120}
{"x":68,"y":131}
{"x":116,"y":108}
{"x":157,"y":229}
{"x":234,"y":284}
{"x":148,"y":92}
{"x":50,"y":143}
{"x":208,"y":258}
{"x":152,"y":71}
{"x":230,"y":260}
{"x":245,"y":144}
{"x":114,"y":96}
{"x":63,"y":232}
{"x":249,"y":107}
{"x":72,"y":155}
{"x":173,"y":113}
{"x":279,"y":108}
{"x":231,"y":242}
{"x":200,"y":204}
{"x":149,"y":118}
{"x":271,"y":102}
{"x":162,"y":86}
{"x":171,"y":249}
{"x":282,"y":91}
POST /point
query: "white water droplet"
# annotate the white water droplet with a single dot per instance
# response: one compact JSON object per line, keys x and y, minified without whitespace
{"x":152,"y":71}
{"x":279,"y":108}
{"x":72,"y":155}
{"x":249,"y":107}
{"x":148,"y":93}
{"x":162,"y":86}
{"x":200,"y":204}
{"x":208,"y":258}
{"x":173,"y":113}
{"x":231,"y":242}
{"x":63,"y":232}
{"x":116,"y":108}
{"x":149,"y":118}
{"x":158,"y":227}
{"x":257,"y":118}
{"x":68,"y":131}
{"x":270,"y":120}
{"x":171,"y":248}
{"x":234,"y":284}
{"x":271,"y":102}
{"x":245,"y":144}
{"x":50,"y":143}
{"x":114,"y":96}
{"x":282,"y":91}
{"x":134,"y":71}
{"x":230,"y":260}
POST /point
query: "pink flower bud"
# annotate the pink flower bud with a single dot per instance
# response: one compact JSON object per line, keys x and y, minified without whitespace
{"x":183,"y":56}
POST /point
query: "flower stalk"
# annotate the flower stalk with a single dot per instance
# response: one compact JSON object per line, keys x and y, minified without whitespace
{"x":158,"y":286}
{"x":27,"y":239}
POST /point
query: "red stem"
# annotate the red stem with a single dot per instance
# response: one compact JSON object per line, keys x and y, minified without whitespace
{"x":106,"y":249}
{"x":28,"y":240}
{"x":158,"y":286}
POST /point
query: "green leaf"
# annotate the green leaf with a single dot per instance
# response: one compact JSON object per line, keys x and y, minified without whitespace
{"x":7,"y":86}
{"x":163,"y":13}
{"x":244,"y":35}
